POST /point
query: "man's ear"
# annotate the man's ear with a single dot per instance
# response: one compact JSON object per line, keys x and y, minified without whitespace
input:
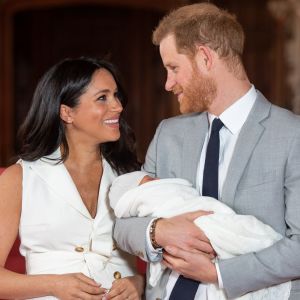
{"x":204,"y":58}
{"x":66,"y":113}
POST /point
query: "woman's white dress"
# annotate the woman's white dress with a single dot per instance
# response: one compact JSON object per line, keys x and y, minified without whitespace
{"x":58,"y":234}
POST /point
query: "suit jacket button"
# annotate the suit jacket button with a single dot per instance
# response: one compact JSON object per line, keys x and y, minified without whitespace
{"x":79,"y":249}
{"x":117,"y":275}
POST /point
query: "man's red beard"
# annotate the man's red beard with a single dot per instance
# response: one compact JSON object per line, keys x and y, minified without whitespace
{"x":198,"y":95}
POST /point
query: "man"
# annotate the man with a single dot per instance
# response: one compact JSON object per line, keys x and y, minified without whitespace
{"x":258,"y":160}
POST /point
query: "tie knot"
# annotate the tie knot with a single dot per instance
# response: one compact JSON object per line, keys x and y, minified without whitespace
{"x":216,"y":125}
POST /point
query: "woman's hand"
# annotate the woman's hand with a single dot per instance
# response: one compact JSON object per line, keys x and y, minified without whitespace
{"x":127,"y":288}
{"x":76,"y":286}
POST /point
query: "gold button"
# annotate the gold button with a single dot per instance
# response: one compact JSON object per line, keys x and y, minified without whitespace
{"x":117,"y":275}
{"x":79,"y":249}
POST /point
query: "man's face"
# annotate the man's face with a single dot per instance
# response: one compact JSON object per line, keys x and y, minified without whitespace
{"x":195,"y":91}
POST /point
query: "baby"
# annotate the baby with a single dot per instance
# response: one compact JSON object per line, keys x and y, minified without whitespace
{"x":138,"y":195}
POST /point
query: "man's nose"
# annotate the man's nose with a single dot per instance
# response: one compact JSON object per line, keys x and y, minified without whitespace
{"x":170,"y":82}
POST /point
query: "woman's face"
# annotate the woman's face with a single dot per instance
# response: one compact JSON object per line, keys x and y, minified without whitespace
{"x":96,"y":118}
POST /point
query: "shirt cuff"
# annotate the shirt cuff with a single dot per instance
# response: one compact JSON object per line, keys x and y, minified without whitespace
{"x":154,"y":255}
{"x":220,"y":281}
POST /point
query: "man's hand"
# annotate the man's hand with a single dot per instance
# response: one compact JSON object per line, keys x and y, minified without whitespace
{"x":182,"y":232}
{"x":190,"y":264}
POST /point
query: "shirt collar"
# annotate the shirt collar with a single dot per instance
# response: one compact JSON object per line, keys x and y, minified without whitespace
{"x":236,"y":114}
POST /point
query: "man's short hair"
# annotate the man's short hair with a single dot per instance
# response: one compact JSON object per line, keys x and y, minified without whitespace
{"x":203,"y":24}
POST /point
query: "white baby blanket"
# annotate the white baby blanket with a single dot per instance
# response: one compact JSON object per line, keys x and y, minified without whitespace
{"x":230,"y":234}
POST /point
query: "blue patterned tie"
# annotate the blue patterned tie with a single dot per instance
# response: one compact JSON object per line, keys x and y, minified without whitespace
{"x":185,"y":288}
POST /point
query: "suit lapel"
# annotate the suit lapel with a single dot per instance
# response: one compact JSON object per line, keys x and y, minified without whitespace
{"x":60,"y":182}
{"x":248,"y":138}
{"x":193,"y":140}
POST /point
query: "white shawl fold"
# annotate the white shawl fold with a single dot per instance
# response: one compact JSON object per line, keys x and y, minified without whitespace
{"x":230,"y":234}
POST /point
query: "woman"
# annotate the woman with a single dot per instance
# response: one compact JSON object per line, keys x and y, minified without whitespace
{"x":74,"y":142}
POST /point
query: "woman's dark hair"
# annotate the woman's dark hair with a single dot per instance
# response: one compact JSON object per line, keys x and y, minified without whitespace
{"x":43,"y":131}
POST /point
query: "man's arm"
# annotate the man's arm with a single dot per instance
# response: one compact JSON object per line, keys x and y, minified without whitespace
{"x":280,"y":262}
{"x":130,"y":235}
{"x":253,"y":271}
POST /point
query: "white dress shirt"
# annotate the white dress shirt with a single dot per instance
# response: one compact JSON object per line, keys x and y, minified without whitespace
{"x":233,"y":119}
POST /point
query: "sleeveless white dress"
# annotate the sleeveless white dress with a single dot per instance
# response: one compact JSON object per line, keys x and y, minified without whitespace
{"x":58,"y":234}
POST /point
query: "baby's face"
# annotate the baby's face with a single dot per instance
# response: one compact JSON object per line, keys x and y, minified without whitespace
{"x":147,"y":178}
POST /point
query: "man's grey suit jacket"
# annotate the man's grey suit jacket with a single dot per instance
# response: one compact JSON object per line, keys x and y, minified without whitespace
{"x":263,"y":180}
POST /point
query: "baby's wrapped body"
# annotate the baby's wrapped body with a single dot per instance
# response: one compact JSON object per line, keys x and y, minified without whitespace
{"x":230,"y":234}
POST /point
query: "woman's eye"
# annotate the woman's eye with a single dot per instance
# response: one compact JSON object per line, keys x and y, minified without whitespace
{"x":102,"y":98}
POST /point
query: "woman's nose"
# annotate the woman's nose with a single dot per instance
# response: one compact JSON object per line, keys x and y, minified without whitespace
{"x":116,"y":105}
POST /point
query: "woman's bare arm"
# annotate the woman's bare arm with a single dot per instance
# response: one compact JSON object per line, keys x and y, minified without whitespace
{"x":14,"y":285}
